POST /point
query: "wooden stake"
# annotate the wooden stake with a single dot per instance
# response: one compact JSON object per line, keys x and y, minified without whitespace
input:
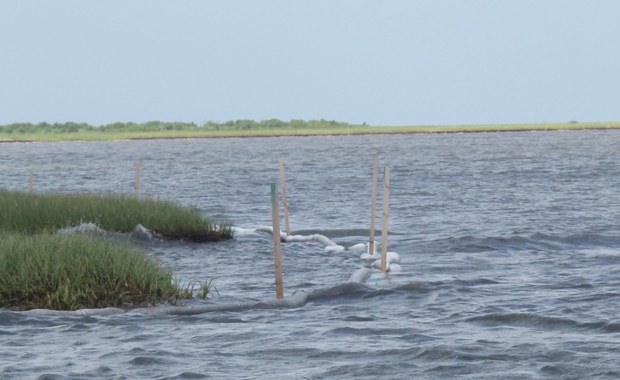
{"x":136,"y":180}
{"x":384,"y":230}
{"x":373,"y":207}
{"x":277,"y":254}
{"x":30,"y":182}
{"x":287,"y":228}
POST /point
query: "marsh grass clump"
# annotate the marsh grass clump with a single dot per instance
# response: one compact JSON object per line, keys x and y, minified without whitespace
{"x":36,"y":213}
{"x":73,"y":272}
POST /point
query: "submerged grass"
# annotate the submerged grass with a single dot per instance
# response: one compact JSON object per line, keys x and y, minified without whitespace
{"x":73,"y":272}
{"x":37,"y":213}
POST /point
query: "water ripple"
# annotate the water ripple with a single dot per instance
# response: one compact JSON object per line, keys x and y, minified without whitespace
{"x":509,"y":251}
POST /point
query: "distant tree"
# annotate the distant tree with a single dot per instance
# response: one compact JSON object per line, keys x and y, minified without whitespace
{"x":272,"y":123}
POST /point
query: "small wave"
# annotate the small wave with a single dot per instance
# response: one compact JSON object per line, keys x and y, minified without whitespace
{"x":189,"y":375}
{"x":580,"y":240}
{"x":147,"y":360}
{"x":368,"y":331}
{"x":348,"y":290}
{"x":8,"y":318}
{"x":79,"y":313}
{"x":524,"y":320}
{"x":433,"y":353}
{"x":473,"y":244}
{"x":51,"y":376}
{"x":537,"y":242}
{"x":477,"y":282}
{"x":419,"y":286}
{"x":606,"y":327}
{"x":357,"y":318}
{"x":613,"y":327}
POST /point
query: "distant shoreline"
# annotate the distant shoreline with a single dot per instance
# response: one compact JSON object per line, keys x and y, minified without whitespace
{"x":187,"y":131}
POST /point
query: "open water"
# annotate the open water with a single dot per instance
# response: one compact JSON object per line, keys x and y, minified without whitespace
{"x":509,"y":247}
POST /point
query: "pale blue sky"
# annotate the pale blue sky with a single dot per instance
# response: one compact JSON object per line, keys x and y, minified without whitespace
{"x":383,"y":62}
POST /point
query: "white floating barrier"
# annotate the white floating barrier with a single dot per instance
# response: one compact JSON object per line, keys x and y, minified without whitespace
{"x":334,"y":248}
{"x":142,"y":233}
{"x":269,"y":230}
{"x":368,"y":255}
{"x":391,"y":259}
{"x":360,"y":276}
{"x":359,"y":247}
{"x":389,"y":267}
{"x":330,"y":246}
{"x":82,"y":229}
{"x":239,"y":231}
{"x":298,"y":299}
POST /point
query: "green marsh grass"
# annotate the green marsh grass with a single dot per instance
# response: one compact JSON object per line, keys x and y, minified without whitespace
{"x":38,"y":213}
{"x":73,"y":272}
{"x":248,"y":128}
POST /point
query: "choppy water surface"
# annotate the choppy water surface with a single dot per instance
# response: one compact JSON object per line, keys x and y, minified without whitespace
{"x":509,"y":245}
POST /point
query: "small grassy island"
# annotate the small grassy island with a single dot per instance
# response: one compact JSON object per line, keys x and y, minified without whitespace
{"x":36,"y":213}
{"x":250,"y":128}
{"x":42,"y":269}
{"x":73,"y":272}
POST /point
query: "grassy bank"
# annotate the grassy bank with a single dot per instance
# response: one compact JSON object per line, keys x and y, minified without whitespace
{"x":247,"y":128}
{"x":41,"y":269}
{"x":73,"y":272}
{"x":37,"y":213}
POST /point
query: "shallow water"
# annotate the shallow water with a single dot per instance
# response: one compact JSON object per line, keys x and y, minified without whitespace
{"x":509,"y":247}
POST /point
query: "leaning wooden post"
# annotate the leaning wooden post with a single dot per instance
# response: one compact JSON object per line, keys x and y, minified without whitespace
{"x":373,"y":206}
{"x":30,"y":182}
{"x":136,"y":180}
{"x":384,"y":230}
{"x":277,"y":254}
{"x":287,"y":228}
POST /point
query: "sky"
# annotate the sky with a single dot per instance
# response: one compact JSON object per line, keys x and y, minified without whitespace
{"x":388,"y":62}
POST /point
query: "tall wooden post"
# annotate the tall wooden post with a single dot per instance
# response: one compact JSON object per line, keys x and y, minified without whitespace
{"x":384,"y":230}
{"x":277,"y":253}
{"x":287,"y":227}
{"x":373,"y":207}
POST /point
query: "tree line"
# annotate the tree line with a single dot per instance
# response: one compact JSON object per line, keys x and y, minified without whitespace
{"x":154,"y":126}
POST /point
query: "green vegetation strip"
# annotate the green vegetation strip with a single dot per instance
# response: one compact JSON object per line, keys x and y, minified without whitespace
{"x":40,"y":269}
{"x":73,"y":272}
{"x":249,"y":128}
{"x":37,"y":213}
